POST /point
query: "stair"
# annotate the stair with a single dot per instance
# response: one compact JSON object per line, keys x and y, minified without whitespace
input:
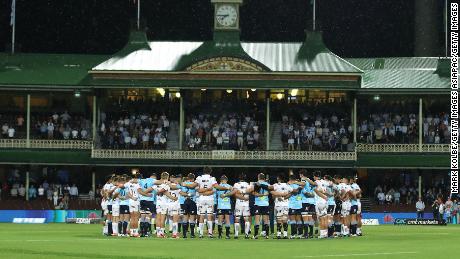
{"x":173,"y":136}
{"x":275,"y":136}
{"x":366,"y":204}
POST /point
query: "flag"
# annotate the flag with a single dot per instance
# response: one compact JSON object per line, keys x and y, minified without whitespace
{"x":13,"y":13}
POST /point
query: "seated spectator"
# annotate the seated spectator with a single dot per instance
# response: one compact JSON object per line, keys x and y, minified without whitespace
{"x":73,"y":191}
{"x":381,"y":197}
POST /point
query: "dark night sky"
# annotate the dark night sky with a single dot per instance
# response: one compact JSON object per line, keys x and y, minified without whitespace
{"x":352,"y":28}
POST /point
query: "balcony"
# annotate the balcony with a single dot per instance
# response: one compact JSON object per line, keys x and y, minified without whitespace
{"x":46,"y":144}
{"x":402,"y":148}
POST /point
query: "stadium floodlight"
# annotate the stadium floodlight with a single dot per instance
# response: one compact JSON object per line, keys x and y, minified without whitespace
{"x":279,"y":96}
{"x":294,"y":92}
{"x":229,"y":91}
{"x":178,"y":95}
{"x":253,"y":90}
{"x":376,"y":97}
{"x":77,"y":94}
{"x":203,"y":89}
{"x":161,"y":91}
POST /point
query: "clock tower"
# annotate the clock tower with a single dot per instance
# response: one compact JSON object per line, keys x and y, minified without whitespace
{"x":227,"y":15}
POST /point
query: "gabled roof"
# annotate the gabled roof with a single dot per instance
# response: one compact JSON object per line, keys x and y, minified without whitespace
{"x":402,"y":73}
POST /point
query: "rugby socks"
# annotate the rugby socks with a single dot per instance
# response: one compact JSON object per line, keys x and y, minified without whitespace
{"x":115,"y":228}
{"x":305,"y":229}
{"x":247,"y":227}
{"x":200,"y":228}
{"x":210,"y":228}
{"x":311,"y":224}
{"x":358,"y":231}
{"x":219,"y":229}
{"x":266,"y":230}
{"x":285,"y":228}
{"x":227,"y":230}
{"x":120,"y":227}
{"x":179,"y":227}
{"x":192,"y":228}
{"x":353,"y":227}
{"x":299,"y":228}
{"x":175,"y":228}
{"x":278,"y":228}
{"x":338,"y":228}
{"x":330,"y":230}
{"x":323,"y":233}
{"x":293,"y":228}
{"x":256,"y":230}
{"x":237,"y":229}
{"x":109,"y":228}
{"x":184,"y":229}
{"x":125,"y":227}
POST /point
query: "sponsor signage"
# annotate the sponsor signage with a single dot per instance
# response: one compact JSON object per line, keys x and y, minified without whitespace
{"x":29,"y":220}
{"x":427,"y":222}
{"x":370,"y":222}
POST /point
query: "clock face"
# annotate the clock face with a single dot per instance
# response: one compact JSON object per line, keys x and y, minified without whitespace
{"x":227,"y":15}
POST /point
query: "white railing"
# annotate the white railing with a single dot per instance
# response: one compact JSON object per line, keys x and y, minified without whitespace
{"x":46,"y":144}
{"x":402,"y":148}
{"x":222,"y":155}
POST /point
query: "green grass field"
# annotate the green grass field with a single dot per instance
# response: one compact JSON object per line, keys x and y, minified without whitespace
{"x":86,"y":241}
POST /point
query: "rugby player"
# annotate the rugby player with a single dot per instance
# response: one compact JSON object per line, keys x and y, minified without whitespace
{"x":330,"y":205}
{"x":188,"y":206}
{"x":147,"y":197}
{"x":345,"y":190}
{"x":261,"y":189}
{"x":338,"y":206}
{"x":121,"y":205}
{"x":224,"y":206}
{"x":241,"y":192}
{"x":166,"y":202}
{"x":295,"y":206}
{"x":106,"y":204}
{"x":134,"y":204}
{"x":205,"y":201}
{"x":321,"y":197}
{"x":355,"y":211}
{"x":308,"y":205}
{"x":281,"y":192}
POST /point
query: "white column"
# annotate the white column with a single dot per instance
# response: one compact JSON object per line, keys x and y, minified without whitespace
{"x":27,"y":185}
{"x":93,"y":182}
{"x":181,"y":122}
{"x":267,"y":136}
{"x":420,"y":185}
{"x":355,"y":119}
{"x":420,"y":125}
{"x":28,"y":122}
{"x":94,"y":118}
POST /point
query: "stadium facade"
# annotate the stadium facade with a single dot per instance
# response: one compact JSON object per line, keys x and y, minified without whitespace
{"x":177,"y":71}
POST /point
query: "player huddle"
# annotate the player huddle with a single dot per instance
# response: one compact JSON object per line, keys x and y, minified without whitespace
{"x":191,"y":205}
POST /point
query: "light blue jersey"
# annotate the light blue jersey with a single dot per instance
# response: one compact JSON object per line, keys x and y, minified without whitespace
{"x":191,"y":193}
{"x":309,"y":189}
{"x":223,"y":203}
{"x":295,"y":201}
{"x":331,"y":199}
{"x":262,"y":201}
{"x":145,"y":184}
{"x":123,"y":196}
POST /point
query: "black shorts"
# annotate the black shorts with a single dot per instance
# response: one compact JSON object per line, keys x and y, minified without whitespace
{"x":261,"y":210}
{"x":124,"y":209}
{"x":354,"y":209}
{"x":224,"y":212}
{"x":189,"y":207}
{"x":294,"y":211}
{"x":109,"y":208}
{"x":330,"y":209}
{"x":311,"y":209}
{"x":147,"y":207}
{"x":338,"y":208}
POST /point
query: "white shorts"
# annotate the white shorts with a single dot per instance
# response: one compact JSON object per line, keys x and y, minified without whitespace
{"x":281,"y":211}
{"x":359,"y":208}
{"x":104,"y":207}
{"x":346,"y":206}
{"x":205,"y":206}
{"x":173,"y":208}
{"x":321,"y":207}
{"x":162,"y":208}
{"x":242,"y":210}
{"x":134,"y":206}
{"x":115,"y":210}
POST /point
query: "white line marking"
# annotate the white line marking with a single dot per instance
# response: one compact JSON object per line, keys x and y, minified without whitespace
{"x":366,"y":254}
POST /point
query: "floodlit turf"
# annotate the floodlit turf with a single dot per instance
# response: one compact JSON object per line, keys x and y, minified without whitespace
{"x":86,"y":241}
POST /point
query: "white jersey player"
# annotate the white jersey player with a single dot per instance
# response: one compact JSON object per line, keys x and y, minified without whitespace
{"x":241,"y":192}
{"x":280,"y":193}
{"x":134,"y":204}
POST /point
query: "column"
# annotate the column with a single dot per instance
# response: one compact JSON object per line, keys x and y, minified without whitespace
{"x":93,"y":182}
{"x":94,"y":117}
{"x":420,"y":125}
{"x":420,"y":185}
{"x":355,"y":119}
{"x":181,"y":121}
{"x":28,"y":122}
{"x":27,"y":184}
{"x":267,"y":126}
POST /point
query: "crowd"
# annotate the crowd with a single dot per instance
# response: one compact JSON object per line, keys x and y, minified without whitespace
{"x":436,"y":128}
{"x":124,"y":125}
{"x":12,"y":126}
{"x":61,"y":126}
{"x":316,"y":127}
{"x":229,"y":131}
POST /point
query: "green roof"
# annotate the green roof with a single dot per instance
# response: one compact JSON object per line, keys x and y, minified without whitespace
{"x":416,"y":73}
{"x":46,"y":69}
